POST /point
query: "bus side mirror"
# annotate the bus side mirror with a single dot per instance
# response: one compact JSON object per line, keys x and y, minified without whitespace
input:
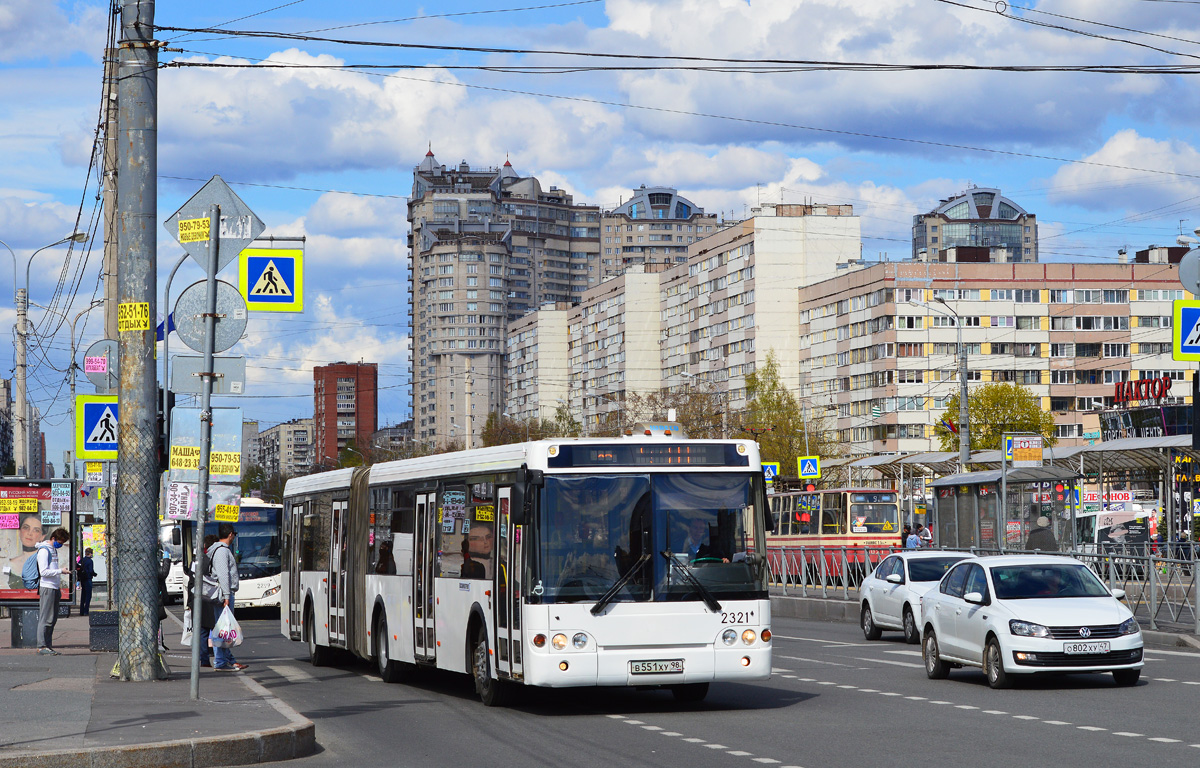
{"x":516,"y":504}
{"x":176,"y":536}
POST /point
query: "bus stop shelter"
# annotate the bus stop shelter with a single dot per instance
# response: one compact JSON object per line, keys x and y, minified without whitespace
{"x":967,"y":511}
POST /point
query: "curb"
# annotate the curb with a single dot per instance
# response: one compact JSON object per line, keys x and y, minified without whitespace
{"x":835,"y":609}
{"x":297,"y":739}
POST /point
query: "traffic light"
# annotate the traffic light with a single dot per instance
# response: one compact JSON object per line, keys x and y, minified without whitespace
{"x":162,"y":449}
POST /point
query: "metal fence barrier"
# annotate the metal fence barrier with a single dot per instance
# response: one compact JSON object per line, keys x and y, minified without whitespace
{"x":1159,"y":580}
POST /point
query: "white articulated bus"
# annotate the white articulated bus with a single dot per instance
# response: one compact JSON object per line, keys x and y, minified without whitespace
{"x":635,"y":561}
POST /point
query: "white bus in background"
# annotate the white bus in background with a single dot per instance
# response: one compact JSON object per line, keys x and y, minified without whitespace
{"x":634,"y":561}
{"x":256,"y":549}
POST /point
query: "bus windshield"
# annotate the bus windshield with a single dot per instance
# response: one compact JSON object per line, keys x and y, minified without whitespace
{"x":661,"y":533}
{"x":256,"y":546}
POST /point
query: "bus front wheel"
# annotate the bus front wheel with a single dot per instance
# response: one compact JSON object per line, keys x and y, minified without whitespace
{"x":492,"y":691}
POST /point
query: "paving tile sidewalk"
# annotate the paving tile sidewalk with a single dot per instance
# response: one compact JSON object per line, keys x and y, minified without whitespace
{"x":70,"y":702}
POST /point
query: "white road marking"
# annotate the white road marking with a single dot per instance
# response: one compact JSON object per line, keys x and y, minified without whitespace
{"x":1165,"y":680}
{"x":671,"y":733}
{"x":373,"y":678}
{"x":916,"y":698}
{"x":904,"y":653}
{"x":1175,"y":653}
{"x":908,"y":664}
{"x":694,"y":740}
{"x":716,"y":746}
{"x":788,"y":677}
{"x":1190,"y":682}
{"x":994,"y":712}
{"x":651,"y":728}
{"x":739,"y":753}
{"x":616,"y":717}
{"x":291,"y":674}
{"x":1024,"y":717}
{"x":1090,"y":728}
{"x":634,"y":722}
{"x":1055,"y":722}
{"x":806,"y":679}
{"x":765,"y":760}
{"x":779,"y":670}
{"x":941,"y":702}
{"x":847,"y":686}
{"x":816,"y":661}
{"x":869,"y":690}
{"x":885,"y":693}
{"x":828,"y":643}
{"x":1165,"y":740}
{"x":964,"y":706}
{"x":1127,"y":733}
{"x":826,"y":683}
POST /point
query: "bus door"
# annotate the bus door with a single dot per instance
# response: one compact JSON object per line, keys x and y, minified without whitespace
{"x":337,"y":574}
{"x":508,"y":591}
{"x":295,"y":561}
{"x":425,"y":646}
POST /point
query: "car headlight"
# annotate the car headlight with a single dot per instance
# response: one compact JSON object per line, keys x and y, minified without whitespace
{"x":1129,"y":627}
{"x":1027,"y":629}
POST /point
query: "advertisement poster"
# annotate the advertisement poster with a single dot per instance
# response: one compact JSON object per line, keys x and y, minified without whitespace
{"x":24,"y":508}
{"x":1120,"y":528}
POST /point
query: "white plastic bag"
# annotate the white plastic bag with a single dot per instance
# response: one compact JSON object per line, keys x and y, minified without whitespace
{"x":186,"y":640}
{"x":227,"y":633}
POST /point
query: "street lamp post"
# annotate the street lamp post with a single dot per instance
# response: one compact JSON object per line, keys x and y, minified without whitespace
{"x":21,"y":441}
{"x":964,"y":427}
{"x":724,"y":395}
{"x":73,"y":366}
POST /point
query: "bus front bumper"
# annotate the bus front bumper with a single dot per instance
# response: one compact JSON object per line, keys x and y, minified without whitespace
{"x":634,"y":666}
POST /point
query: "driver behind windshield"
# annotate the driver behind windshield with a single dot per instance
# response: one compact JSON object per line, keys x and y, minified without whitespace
{"x":698,"y":545}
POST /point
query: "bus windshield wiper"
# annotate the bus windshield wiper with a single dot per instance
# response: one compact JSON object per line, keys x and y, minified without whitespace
{"x":686,"y":570}
{"x":608,"y":596}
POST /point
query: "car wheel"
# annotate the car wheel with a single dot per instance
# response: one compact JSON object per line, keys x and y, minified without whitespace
{"x":690,"y":693}
{"x":935,"y":668}
{"x":492,"y":692}
{"x":390,"y":671}
{"x":1127,"y":677}
{"x":870,"y":630}
{"x":993,"y":666}
{"x":912,"y":635}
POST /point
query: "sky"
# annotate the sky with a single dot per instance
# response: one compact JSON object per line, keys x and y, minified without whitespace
{"x":318,"y":145}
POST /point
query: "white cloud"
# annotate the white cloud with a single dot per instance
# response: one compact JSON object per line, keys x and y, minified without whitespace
{"x":28,"y":225}
{"x":37,"y":28}
{"x":341,"y":215}
{"x":1111,"y":183}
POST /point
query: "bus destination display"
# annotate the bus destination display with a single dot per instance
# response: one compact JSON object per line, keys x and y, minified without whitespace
{"x":649,"y":455}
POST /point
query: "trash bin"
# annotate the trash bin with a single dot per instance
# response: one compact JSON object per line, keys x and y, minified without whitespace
{"x":102,"y":630}
{"x":24,"y":627}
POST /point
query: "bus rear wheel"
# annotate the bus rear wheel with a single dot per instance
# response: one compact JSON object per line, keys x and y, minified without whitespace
{"x":492,"y":691}
{"x":689,"y":693}
{"x":318,"y":655}
{"x":390,"y":671}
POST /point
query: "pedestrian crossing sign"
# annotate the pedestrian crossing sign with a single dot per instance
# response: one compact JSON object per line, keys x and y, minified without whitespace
{"x":272,"y":279}
{"x":770,"y":470}
{"x":96,"y":423}
{"x":808,"y":466}
{"x":1186,"y":328}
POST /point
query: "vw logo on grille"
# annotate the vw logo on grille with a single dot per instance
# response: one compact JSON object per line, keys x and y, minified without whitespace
{"x":1085,"y":632}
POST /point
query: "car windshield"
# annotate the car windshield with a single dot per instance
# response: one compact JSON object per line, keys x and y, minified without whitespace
{"x":664,"y":531}
{"x":1022,"y":582}
{"x":930,"y":568}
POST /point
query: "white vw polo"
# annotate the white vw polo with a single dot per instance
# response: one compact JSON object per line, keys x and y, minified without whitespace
{"x":1025,"y":614}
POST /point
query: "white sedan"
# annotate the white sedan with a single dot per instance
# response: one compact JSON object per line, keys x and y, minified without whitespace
{"x":891,"y":594}
{"x":1025,"y":614}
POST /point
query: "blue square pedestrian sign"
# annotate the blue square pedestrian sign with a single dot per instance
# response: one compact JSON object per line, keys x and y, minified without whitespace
{"x":1186,"y":331}
{"x":272,"y":279}
{"x":97,"y":418}
{"x":770,"y":470}
{"x":808,"y":466}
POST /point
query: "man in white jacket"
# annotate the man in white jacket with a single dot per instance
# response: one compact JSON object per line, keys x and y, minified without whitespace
{"x":49,"y":588}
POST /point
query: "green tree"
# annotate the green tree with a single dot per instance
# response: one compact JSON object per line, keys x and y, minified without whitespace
{"x":994,"y":409}
{"x":795,"y":429}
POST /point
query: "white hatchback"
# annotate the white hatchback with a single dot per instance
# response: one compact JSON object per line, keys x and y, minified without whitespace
{"x":891,"y":594}
{"x":1026,"y":614}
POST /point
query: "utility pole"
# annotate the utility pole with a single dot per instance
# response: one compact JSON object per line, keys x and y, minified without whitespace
{"x":109,"y":268}
{"x":137,"y":434}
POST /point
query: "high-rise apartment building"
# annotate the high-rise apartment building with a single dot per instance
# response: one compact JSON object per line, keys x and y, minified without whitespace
{"x":879,"y":347}
{"x":6,"y":423}
{"x":714,"y":318}
{"x":533,"y":340}
{"x":979,"y":225}
{"x":487,"y":246}
{"x":655,"y":227}
{"x":287,"y":449}
{"x":345,"y":407}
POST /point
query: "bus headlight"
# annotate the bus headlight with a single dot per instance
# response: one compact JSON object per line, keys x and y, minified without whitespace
{"x":748,"y":637}
{"x":579,"y":640}
{"x":729,"y":637}
{"x":559,"y":641}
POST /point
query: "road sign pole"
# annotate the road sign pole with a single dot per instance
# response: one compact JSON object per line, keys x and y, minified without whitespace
{"x":210,"y":320}
{"x":137,"y":193}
